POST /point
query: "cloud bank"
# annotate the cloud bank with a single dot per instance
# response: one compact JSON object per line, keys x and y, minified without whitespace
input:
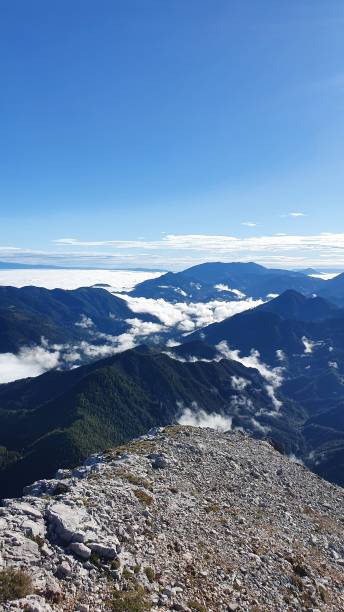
{"x":197,"y":417}
{"x":188,"y":317}
{"x":28,"y":362}
{"x":177,"y":251}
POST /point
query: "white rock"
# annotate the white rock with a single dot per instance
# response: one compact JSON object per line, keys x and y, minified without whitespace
{"x":34,"y":528}
{"x":70,"y":522}
{"x":64,"y":569}
{"x":33,"y":603}
{"x":3,"y":524}
{"x":80,"y":549}
{"x":24,"y":508}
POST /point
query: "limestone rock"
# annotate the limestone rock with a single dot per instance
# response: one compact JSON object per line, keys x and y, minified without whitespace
{"x":185,"y":519}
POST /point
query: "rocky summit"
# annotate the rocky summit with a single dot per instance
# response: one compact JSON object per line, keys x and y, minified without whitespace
{"x":180,"y":519}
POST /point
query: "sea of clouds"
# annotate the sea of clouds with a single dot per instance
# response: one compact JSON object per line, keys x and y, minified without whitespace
{"x":117,"y":280}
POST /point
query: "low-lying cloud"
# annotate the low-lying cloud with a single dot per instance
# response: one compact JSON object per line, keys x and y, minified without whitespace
{"x":310,"y":345}
{"x":33,"y":361}
{"x":197,"y":417}
{"x":28,"y":362}
{"x":272,"y":376}
{"x":186,"y":317}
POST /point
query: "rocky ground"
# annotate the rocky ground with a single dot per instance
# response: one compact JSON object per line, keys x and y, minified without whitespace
{"x":182,"y":519}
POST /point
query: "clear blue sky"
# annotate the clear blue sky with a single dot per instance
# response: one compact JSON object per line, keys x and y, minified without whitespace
{"x":152,"y":120}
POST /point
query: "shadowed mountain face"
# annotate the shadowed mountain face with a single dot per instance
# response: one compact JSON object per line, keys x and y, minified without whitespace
{"x":58,"y":315}
{"x":204,"y":282}
{"x":285,"y":324}
{"x":294,"y":305}
{"x":57,"y":419}
{"x":216,"y":280}
{"x":263,"y":331}
{"x":311,"y":353}
{"x":334,"y":290}
{"x":181,"y":287}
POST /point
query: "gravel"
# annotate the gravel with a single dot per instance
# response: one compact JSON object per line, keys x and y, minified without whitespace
{"x":181,"y":519}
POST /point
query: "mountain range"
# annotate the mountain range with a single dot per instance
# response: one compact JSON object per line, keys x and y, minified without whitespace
{"x":276,"y":371}
{"x":58,"y":418}
{"x":60,"y":316}
{"x":223,"y":280}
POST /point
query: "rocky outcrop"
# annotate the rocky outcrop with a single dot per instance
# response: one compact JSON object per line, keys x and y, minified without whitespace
{"x":181,"y":519}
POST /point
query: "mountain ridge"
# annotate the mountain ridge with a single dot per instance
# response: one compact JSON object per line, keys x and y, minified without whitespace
{"x":61,"y":417}
{"x":182,"y":518}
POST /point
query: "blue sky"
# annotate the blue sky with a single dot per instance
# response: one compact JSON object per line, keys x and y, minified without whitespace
{"x":149,"y":132}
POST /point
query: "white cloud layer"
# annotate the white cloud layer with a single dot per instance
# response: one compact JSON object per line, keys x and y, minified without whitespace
{"x":117,"y":280}
{"x":196,"y":417}
{"x":178,"y":251}
{"x":188,"y":317}
{"x":28,"y":362}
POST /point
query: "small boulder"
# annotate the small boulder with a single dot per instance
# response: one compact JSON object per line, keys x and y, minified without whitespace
{"x":80,"y":550}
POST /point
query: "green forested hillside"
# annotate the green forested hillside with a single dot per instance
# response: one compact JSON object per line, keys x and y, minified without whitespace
{"x":30,"y":313}
{"x":61,"y":417}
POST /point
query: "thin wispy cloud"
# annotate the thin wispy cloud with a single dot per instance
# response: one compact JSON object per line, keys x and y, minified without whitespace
{"x":229,"y":244}
{"x":249,"y":224}
{"x":177,"y":251}
{"x":294,"y":214}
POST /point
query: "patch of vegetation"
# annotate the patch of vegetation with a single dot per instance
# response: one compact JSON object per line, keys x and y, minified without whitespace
{"x":195,"y":605}
{"x":14,"y":584}
{"x":115,"y":564}
{"x":126,"y":574}
{"x":143,"y":497}
{"x":297,"y":582}
{"x":61,"y":488}
{"x":174,"y":430}
{"x":323,"y":594}
{"x":134,"y":479}
{"x":95,"y":559}
{"x":134,"y":600}
{"x":212,"y":508}
{"x":150,"y":573}
{"x":137,"y":447}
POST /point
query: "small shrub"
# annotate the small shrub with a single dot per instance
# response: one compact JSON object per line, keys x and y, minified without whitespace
{"x":126,"y":574}
{"x":136,"y":480}
{"x":115,"y":564}
{"x":195,"y":605}
{"x":150,"y":573}
{"x":130,"y":601}
{"x":95,"y":559}
{"x":60,"y":489}
{"x":143,"y":497}
{"x":297,"y":582}
{"x":14,"y":584}
{"x":212,"y":508}
{"x":323,"y":594}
